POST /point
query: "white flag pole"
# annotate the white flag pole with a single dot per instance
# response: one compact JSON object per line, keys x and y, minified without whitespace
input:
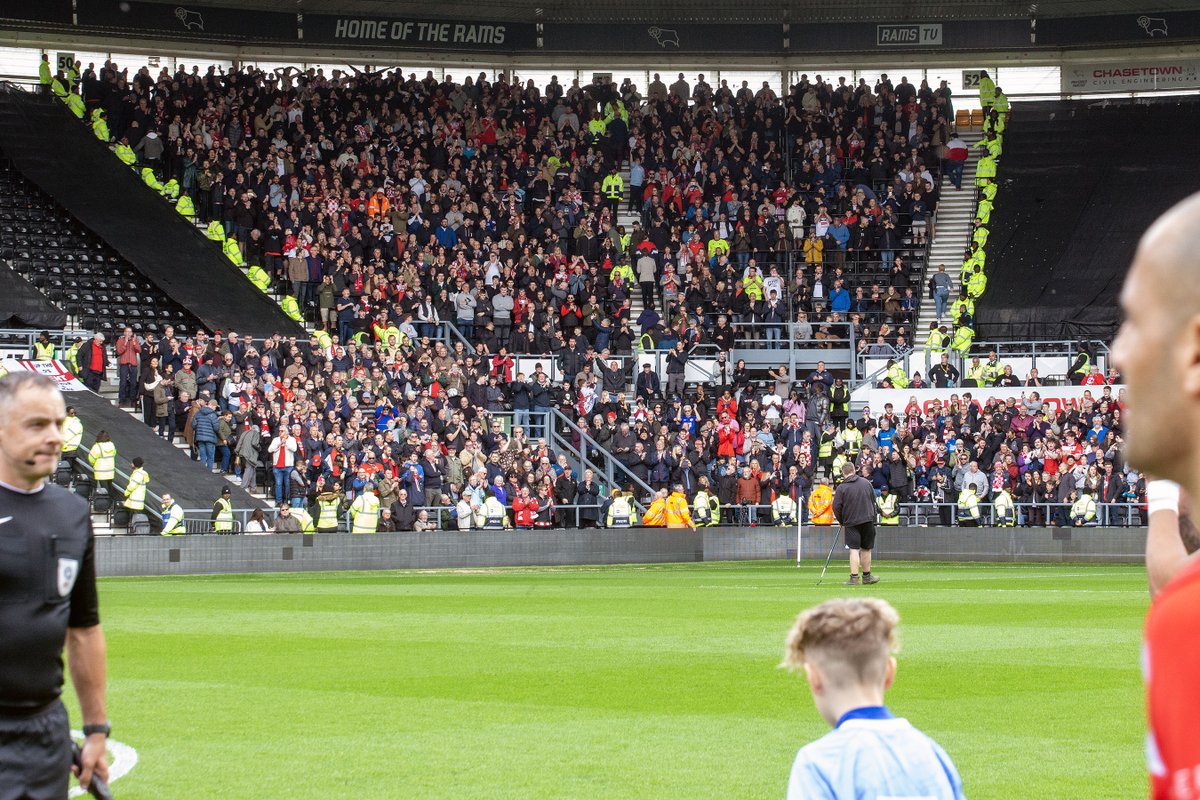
{"x":799,"y":535}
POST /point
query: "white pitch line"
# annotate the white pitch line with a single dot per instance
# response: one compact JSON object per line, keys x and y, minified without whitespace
{"x":1019,"y":591}
{"x":124,"y":757}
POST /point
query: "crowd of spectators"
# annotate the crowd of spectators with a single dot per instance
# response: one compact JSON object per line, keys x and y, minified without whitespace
{"x":312,"y":424}
{"x":770,"y":210}
{"x":385,"y":205}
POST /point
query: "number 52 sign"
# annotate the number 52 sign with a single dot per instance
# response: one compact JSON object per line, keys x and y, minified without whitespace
{"x":971,"y":78}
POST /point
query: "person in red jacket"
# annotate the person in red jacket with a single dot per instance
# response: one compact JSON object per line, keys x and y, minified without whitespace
{"x":93,"y":362}
{"x":729,"y":437}
{"x":749,"y":495}
{"x":525,"y":509}
{"x":1093,"y":378}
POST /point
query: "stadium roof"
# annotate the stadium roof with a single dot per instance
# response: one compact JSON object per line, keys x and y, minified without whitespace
{"x":678,"y":11}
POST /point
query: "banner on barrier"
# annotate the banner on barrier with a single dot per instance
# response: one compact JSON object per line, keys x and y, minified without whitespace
{"x":54,"y":370}
{"x":1132,"y":77}
{"x":1057,"y":398}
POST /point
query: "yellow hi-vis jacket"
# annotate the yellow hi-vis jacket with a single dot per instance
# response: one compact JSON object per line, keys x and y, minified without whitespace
{"x":72,"y":430}
{"x":135,"y":490}
{"x":328,"y":506}
{"x":186,"y":207}
{"x":364,"y":512}
{"x":172,"y":520}
{"x":223,"y":516}
{"x":1083,"y":509}
{"x":783,"y":510}
{"x":233,"y":252}
{"x":968,"y":505}
{"x":887,"y":510}
{"x":620,"y":513}
{"x":103,"y":458}
{"x":706,"y":509}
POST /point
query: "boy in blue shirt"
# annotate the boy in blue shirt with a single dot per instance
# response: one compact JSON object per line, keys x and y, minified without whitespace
{"x":845,"y":648}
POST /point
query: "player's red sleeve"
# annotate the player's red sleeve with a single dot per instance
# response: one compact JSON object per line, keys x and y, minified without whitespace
{"x":1171,"y":664}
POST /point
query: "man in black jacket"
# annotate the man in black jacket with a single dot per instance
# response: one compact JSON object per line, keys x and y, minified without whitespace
{"x":854,"y":507}
{"x":647,"y":384}
{"x":403,"y":512}
{"x":676,"y":368}
{"x":944,"y":375}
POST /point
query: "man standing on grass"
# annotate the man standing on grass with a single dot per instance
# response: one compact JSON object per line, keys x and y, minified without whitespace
{"x":845,"y":648}
{"x":1158,"y":352}
{"x":854,"y":507}
{"x":47,"y":597}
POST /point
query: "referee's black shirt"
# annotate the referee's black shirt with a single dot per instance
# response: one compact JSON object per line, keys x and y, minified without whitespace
{"x":47,"y":584}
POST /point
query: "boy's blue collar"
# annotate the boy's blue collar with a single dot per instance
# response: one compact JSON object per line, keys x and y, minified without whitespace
{"x":865,"y":712}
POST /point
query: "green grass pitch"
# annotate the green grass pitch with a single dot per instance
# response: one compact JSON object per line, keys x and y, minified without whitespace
{"x":607,"y":682}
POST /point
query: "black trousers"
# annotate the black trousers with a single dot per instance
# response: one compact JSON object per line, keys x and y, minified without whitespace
{"x":35,"y":755}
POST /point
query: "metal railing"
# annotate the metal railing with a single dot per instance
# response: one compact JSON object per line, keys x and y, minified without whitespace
{"x":613,"y":470}
{"x":1046,"y":514}
{"x":118,"y":484}
{"x":199,"y":521}
{"x":561,"y":515}
{"x":1063,"y":351}
{"x":23,"y":338}
{"x":780,"y":335}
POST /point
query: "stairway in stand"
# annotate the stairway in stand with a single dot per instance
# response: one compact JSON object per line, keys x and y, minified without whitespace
{"x":625,"y":219}
{"x":955,"y":219}
{"x":109,"y":391}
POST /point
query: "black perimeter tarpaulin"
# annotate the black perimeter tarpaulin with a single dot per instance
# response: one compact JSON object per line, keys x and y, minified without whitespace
{"x":1080,"y":182}
{"x":52,"y":149}
{"x":23,"y":306}
{"x":170,"y":469}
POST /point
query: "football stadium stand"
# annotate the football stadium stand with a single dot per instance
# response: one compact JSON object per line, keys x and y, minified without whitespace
{"x":468,"y":258}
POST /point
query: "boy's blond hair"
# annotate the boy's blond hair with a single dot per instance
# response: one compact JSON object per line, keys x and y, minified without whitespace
{"x":851,"y":639}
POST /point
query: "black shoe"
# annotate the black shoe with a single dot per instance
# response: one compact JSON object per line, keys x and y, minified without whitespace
{"x":869,"y":579}
{"x":852,"y":582}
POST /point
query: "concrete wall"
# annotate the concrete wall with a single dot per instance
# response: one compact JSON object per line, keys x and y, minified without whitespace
{"x":211,"y":554}
{"x":1046,"y":545}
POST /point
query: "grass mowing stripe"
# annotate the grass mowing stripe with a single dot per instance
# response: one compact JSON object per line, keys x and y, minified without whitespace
{"x":621,"y":682}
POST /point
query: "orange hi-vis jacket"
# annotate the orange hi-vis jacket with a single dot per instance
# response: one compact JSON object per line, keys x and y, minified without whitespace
{"x":656,"y":515}
{"x":378,"y":205}
{"x":820,"y":505}
{"x":678,"y":515}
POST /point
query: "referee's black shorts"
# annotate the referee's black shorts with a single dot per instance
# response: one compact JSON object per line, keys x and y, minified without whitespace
{"x":861,"y":537}
{"x":35,"y":755}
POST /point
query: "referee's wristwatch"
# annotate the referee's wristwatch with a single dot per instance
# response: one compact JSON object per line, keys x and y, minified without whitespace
{"x":103,"y":727}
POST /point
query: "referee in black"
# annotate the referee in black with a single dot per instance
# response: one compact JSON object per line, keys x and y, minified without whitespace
{"x":854,"y":507}
{"x":47,"y":596}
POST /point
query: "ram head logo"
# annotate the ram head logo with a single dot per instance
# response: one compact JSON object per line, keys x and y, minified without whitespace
{"x":190,"y":19}
{"x":1152,"y":25}
{"x":664,"y":36}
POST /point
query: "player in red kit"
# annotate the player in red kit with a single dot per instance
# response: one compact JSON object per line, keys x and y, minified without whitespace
{"x":1158,"y":351}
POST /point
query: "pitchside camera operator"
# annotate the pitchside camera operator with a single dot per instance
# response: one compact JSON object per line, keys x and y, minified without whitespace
{"x":47,"y":595}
